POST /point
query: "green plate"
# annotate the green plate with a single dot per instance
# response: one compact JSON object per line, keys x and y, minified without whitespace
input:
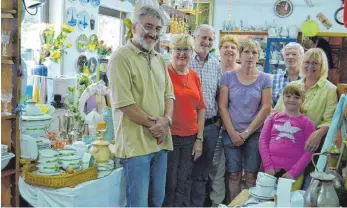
{"x":92,"y":43}
{"x":82,"y":43}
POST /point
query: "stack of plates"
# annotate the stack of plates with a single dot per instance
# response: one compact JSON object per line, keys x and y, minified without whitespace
{"x":4,"y":149}
{"x":68,"y":158}
{"x":43,"y":144}
{"x":104,"y":169}
{"x":5,"y":156}
{"x":48,"y":162}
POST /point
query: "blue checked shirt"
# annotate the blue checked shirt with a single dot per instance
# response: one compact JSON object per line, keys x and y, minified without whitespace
{"x":279,"y":81}
{"x":210,"y":76}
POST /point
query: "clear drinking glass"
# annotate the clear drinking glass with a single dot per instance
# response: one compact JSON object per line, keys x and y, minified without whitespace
{"x":6,"y":97}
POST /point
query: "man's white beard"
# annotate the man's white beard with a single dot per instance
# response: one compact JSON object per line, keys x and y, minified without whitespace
{"x":141,"y":41}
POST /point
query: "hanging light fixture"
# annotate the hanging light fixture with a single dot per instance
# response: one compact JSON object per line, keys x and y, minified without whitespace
{"x":32,"y":4}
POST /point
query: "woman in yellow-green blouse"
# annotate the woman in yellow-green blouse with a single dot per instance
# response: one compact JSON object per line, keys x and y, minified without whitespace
{"x":320,"y":97}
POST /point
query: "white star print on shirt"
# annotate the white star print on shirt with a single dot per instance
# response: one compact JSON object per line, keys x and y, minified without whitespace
{"x":287,"y":131}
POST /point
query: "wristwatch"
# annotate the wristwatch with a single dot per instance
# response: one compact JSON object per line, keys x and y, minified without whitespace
{"x":170,"y":120}
{"x":200,"y":138}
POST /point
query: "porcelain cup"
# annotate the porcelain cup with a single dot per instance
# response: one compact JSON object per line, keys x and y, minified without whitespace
{"x":262,"y":189}
{"x":266,"y":179}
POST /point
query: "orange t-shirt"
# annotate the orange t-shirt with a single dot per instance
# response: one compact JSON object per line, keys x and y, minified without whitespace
{"x":189,"y":99}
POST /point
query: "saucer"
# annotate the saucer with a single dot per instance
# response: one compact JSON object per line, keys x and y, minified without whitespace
{"x":252,"y":191}
{"x":49,"y":174}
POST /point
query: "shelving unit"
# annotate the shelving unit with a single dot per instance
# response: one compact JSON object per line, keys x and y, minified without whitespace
{"x":11,"y":21}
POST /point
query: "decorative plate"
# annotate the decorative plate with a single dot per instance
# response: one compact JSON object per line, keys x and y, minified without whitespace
{"x":83,"y":20}
{"x":92,"y":64}
{"x":283,"y":8}
{"x":71,"y":16}
{"x":95,"y":3}
{"x":81,"y":61}
{"x":73,"y":1}
{"x":82,"y":43}
{"x":92,"y":43}
{"x":84,"y":2}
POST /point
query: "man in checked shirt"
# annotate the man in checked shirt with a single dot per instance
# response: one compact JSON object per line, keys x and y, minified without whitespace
{"x":292,"y":54}
{"x":209,"y":70}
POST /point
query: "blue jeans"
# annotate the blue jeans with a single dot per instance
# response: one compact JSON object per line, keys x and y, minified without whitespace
{"x":202,"y":166}
{"x":145,"y":178}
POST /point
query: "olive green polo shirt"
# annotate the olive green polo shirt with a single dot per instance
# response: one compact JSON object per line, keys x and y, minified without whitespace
{"x":141,"y":78}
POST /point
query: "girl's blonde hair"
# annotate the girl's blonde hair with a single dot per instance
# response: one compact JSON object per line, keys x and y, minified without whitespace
{"x":229,"y":38}
{"x":295,"y":89}
{"x":182,"y":40}
{"x":319,"y":55}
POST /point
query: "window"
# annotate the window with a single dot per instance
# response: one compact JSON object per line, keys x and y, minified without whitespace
{"x":31,"y":27}
{"x":111,"y":27}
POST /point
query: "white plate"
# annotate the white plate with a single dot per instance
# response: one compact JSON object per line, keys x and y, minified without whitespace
{"x":48,"y":153}
{"x":252,"y":191}
{"x":71,"y":157}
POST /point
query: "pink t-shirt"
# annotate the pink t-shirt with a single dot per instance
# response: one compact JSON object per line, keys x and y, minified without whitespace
{"x":282,"y":142}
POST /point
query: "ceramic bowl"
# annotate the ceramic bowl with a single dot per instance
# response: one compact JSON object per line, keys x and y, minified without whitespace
{"x":75,"y":164}
{"x":5,"y":159}
{"x":67,"y":152}
{"x":69,"y":158}
{"x":48,"y":153}
{"x":35,"y":126}
{"x":45,"y":160}
{"x":48,"y":167}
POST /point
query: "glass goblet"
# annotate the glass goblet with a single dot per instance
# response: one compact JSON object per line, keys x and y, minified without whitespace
{"x":6,"y":97}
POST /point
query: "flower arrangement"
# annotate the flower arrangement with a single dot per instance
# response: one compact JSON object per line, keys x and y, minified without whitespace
{"x":103,"y":50}
{"x":54,"y":47}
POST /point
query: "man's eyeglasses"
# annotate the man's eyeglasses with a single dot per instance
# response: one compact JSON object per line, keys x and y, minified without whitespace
{"x":182,"y":50}
{"x":148,"y":28}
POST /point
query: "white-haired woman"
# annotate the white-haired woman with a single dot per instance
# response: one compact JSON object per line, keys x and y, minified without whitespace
{"x":292,"y":54}
{"x":321,"y":98}
{"x":187,"y":123}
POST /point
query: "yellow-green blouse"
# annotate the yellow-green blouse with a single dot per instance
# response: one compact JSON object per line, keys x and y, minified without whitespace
{"x":320,"y":102}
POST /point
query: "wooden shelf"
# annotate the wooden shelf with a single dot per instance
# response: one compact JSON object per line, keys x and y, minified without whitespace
{"x":10,"y":11}
{"x":7,"y":60}
{"x":13,"y":116}
{"x":224,"y":32}
{"x":7,"y":16}
{"x":8,"y":172}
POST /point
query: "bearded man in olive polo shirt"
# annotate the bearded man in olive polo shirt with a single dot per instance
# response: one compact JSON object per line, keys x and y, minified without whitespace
{"x":142,"y":104}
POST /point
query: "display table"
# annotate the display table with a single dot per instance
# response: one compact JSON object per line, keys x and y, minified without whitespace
{"x":104,"y":192}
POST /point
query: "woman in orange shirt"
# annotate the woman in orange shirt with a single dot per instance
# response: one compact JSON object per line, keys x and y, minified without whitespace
{"x":187,"y":123}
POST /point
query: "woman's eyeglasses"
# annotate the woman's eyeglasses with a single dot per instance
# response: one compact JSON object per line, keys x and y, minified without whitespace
{"x":182,"y":50}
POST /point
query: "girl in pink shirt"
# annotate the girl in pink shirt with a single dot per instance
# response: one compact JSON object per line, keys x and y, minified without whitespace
{"x":283,"y":137}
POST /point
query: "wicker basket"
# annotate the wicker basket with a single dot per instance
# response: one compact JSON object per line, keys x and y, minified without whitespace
{"x":61,"y":181}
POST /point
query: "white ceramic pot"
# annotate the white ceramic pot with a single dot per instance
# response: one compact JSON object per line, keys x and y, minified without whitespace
{"x":35,"y":126}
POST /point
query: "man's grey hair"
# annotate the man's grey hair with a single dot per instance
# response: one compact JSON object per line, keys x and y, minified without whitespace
{"x":150,"y":11}
{"x":293,"y":45}
{"x":203,"y":27}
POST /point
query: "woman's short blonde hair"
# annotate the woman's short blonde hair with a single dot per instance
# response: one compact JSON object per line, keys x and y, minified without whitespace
{"x":182,"y":40}
{"x":319,"y":55}
{"x":295,"y":89}
{"x":250,"y":44}
{"x":229,"y":38}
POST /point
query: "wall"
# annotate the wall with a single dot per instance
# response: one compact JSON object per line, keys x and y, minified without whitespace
{"x":57,"y":16}
{"x":256,"y":12}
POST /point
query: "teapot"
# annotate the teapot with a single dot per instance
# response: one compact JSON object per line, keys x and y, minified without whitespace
{"x":100,"y":150}
{"x":321,"y":192}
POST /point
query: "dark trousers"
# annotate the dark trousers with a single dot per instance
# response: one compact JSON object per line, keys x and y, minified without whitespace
{"x":202,"y":166}
{"x":179,"y":171}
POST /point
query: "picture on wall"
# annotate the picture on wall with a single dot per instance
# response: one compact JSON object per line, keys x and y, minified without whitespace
{"x":283,"y":8}
{"x":83,"y":20}
{"x":71,"y":16}
{"x":84,"y":2}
